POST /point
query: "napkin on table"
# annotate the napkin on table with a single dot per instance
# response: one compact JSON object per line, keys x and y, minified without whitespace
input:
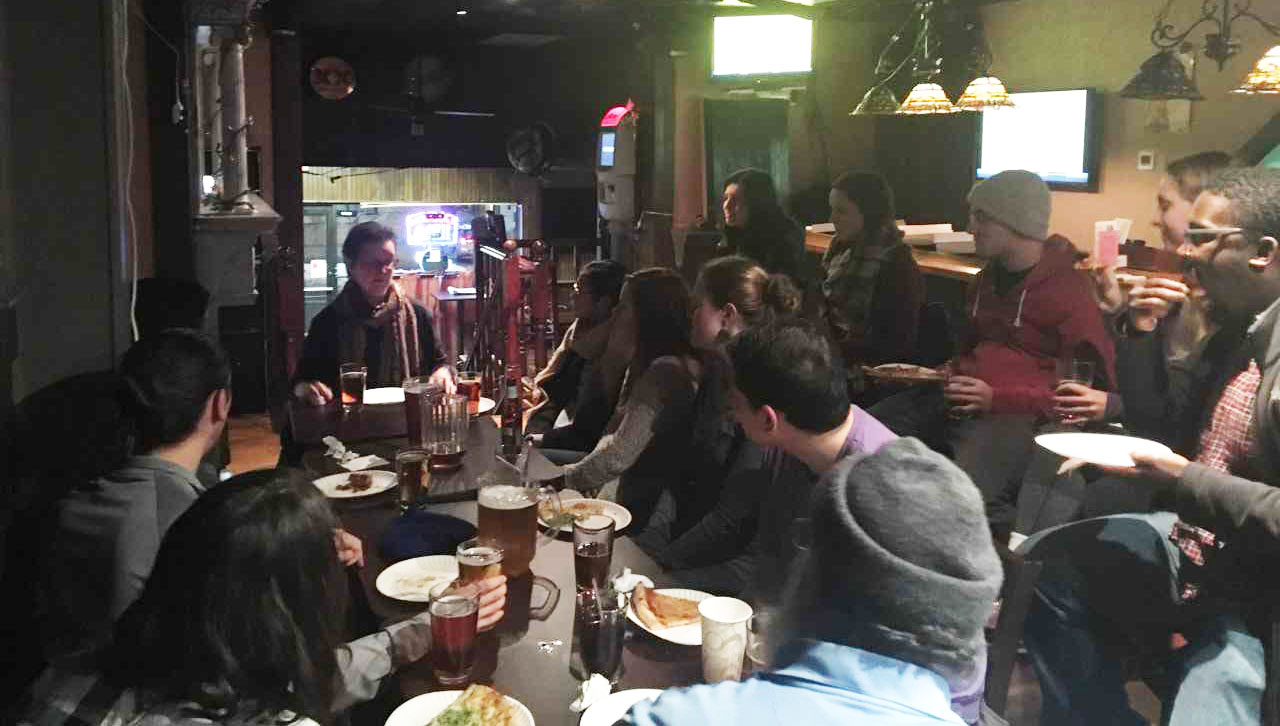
{"x":364,"y":462}
{"x":590,"y":691}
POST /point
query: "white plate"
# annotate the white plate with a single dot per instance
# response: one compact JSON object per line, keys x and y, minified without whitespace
{"x":383,"y":396}
{"x":485,"y":406}
{"x":1101,"y":449}
{"x":608,"y":711}
{"x":681,"y":634}
{"x":621,"y":517}
{"x":418,"y":579}
{"x":382,"y":481}
{"x":419,"y":710}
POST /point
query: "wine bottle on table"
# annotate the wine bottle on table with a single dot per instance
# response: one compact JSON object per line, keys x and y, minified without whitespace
{"x":511,"y":428}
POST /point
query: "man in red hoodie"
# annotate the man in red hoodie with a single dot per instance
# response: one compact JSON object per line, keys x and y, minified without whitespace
{"x":1028,"y":309}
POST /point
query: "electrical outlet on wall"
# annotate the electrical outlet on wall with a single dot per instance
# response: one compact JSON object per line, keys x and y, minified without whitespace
{"x":1146,"y":160}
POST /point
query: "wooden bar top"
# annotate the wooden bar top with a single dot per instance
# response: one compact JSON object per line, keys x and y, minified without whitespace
{"x":938,"y":264}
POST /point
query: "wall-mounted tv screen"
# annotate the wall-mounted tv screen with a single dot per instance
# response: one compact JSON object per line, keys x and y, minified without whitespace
{"x":751,"y":46}
{"x":1056,"y":134}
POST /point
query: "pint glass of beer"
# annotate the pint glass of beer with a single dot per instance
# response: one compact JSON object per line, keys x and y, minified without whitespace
{"x":454,"y":616}
{"x":478,"y":559}
{"x":592,"y":551}
{"x":351,"y":378}
{"x":509,"y":516}
{"x":413,"y":477}
{"x":415,"y":390}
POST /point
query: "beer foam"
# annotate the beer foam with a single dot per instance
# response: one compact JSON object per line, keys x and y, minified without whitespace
{"x":504,"y":496}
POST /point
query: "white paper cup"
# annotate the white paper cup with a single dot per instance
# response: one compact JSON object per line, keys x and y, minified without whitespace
{"x":724,"y":637}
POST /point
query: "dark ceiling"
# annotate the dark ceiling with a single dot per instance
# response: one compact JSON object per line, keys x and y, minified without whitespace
{"x":560,"y":17}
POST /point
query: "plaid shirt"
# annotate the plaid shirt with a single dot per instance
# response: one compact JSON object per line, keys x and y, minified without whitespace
{"x":1225,"y":444}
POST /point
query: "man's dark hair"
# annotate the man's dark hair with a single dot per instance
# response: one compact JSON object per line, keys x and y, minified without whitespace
{"x":1191,"y":173}
{"x":166,"y":378}
{"x":1254,"y":194}
{"x":363,"y":235}
{"x":240,"y":609}
{"x":790,"y":366}
{"x":605,"y":278}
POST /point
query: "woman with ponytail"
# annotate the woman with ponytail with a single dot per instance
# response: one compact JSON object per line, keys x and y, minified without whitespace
{"x":708,"y":538}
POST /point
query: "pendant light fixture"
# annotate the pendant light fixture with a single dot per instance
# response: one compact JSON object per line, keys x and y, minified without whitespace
{"x":1163,"y":76}
{"x":1265,"y":76}
{"x":984,"y":93}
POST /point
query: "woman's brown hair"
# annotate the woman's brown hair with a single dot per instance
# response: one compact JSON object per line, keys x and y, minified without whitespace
{"x":758,"y":296}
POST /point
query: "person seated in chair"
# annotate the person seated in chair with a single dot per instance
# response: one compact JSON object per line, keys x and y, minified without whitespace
{"x":873,"y":289}
{"x":239,"y":623}
{"x":571,"y":381}
{"x":755,"y":226}
{"x":884,"y":605}
{"x":707,"y":543}
{"x":1202,"y":570}
{"x":1029,"y":310}
{"x":789,"y":396}
{"x":372,"y":321}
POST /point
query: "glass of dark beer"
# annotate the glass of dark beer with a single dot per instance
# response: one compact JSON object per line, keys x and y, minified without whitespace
{"x":479,"y":558}
{"x":600,"y":618}
{"x":413,"y":477}
{"x":453,"y":634}
{"x":351,"y":378}
{"x":415,"y":389}
{"x":592,"y":551}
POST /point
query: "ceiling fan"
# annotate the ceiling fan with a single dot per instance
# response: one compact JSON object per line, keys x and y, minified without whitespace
{"x":427,"y":80}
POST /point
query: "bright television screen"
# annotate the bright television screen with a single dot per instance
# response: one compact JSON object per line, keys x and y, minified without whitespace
{"x":754,"y":45}
{"x":1052,"y":133}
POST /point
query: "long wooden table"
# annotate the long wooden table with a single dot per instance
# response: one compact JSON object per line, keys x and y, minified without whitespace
{"x":530,"y":665}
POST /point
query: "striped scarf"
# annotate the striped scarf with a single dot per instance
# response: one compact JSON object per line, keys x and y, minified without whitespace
{"x":393,"y":319}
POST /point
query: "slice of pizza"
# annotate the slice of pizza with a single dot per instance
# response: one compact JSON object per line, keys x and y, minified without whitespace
{"x":659,"y":612}
{"x":478,"y":706}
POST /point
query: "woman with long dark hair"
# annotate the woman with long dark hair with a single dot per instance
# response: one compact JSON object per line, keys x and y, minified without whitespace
{"x":873,"y":289}
{"x":239,"y":623}
{"x":644,"y":441}
{"x":756,"y":226}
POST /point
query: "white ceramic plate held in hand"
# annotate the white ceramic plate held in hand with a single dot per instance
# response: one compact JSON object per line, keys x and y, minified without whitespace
{"x":383,"y":396}
{"x":681,"y":634}
{"x":1100,"y":449}
{"x":382,"y":481}
{"x":582,"y":506}
{"x":419,"y":710}
{"x":418,"y":579}
{"x":607,"y":711}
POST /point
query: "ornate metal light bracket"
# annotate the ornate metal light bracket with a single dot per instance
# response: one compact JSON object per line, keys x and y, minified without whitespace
{"x":1219,"y":45}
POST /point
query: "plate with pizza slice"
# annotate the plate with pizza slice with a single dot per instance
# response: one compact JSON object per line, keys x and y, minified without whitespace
{"x":905,"y":374}
{"x":669,"y":613}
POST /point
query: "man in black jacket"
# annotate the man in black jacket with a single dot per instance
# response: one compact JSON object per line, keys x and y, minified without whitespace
{"x":1202,"y":569}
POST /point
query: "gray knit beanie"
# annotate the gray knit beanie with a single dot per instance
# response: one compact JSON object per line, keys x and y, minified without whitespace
{"x":1019,"y":199}
{"x":903,"y":558}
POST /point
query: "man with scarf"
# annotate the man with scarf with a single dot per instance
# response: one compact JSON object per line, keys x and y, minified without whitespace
{"x":372,"y":322}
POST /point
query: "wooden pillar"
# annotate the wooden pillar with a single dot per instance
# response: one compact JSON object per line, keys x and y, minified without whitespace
{"x":286,"y":324}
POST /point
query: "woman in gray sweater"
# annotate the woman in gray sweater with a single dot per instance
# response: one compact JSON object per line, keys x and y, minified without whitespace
{"x":648,"y":437}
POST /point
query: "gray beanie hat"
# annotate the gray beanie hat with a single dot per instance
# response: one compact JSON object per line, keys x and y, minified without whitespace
{"x":903,"y":558}
{"x":1018,"y":199}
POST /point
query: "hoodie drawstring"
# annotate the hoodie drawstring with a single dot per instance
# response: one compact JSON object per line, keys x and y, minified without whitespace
{"x":1017,"y":320}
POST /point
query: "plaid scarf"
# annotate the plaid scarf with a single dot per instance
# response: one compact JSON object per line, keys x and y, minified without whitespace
{"x":850,"y":285}
{"x":393,"y":319}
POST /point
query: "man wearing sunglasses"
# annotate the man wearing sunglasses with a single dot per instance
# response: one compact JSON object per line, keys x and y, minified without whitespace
{"x":1202,"y":569}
